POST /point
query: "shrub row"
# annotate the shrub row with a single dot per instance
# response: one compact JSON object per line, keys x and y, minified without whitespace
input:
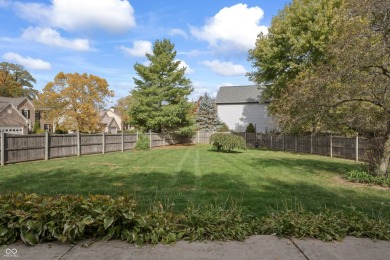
{"x":327,"y":225}
{"x":35,"y":219}
{"x":364,"y":177}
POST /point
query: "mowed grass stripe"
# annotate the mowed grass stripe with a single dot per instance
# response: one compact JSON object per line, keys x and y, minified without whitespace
{"x":260,"y":179}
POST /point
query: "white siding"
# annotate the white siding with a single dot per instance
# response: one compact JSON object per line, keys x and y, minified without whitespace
{"x":239,"y":116}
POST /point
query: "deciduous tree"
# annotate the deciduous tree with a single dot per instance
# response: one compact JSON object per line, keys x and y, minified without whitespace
{"x":296,"y":41}
{"x":348,"y":90}
{"x":122,"y":107}
{"x":15,"y":81}
{"x":73,"y":101}
{"x":161,"y":92}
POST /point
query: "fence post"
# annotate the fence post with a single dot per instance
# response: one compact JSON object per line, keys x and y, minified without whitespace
{"x":331,"y":146}
{"x":150,"y":139}
{"x":311,"y":143}
{"x":137,"y":137}
{"x":296,"y":143}
{"x":271,"y":142}
{"x":2,"y":148}
{"x":78,"y":143}
{"x":47,"y":143}
{"x":104,"y":143}
{"x":123,"y":142}
{"x":284,"y":142}
{"x":357,"y":148}
{"x":198,"y":137}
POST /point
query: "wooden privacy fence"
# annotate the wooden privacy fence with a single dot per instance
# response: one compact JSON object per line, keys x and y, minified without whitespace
{"x":354,"y":148}
{"x":20,"y":148}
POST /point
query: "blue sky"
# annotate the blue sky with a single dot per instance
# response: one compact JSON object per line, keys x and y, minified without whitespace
{"x":107,"y":37}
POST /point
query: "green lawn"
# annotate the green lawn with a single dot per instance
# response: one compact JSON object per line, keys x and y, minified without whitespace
{"x":258,"y":179}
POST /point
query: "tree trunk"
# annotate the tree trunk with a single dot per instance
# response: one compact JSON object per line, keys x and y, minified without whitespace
{"x":383,"y":162}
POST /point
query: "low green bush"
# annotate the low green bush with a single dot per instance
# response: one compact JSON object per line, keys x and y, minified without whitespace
{"x":227,"y":142}
{"x":143,"y":142}
{"x":223,"y":128}
{"x":364,"y":177}
{"x":34,"y":219}
{"x":327,"y":224}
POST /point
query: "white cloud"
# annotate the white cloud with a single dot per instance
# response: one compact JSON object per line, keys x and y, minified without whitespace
{"x":180,"y":32}
{"x":74,"y":15}
{"x":146,"y":63}
{"x":227,"y":84}
{"x":194,"y":53}
{"x":225,"y":68}
{"x":28,"y":62}
{"x":234,"y":27}
{"x":140,"y":48}
{"x":4,"y":3}
{"x":184,"y":64}
{"x":52,"y":37}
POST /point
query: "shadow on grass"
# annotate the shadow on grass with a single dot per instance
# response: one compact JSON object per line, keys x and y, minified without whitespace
{"x":219,"y":151}
{"x":186,"y":188}
{"x":310,"y":165}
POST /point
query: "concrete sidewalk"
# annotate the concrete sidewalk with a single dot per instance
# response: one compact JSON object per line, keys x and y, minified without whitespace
{"x":256,"y":247}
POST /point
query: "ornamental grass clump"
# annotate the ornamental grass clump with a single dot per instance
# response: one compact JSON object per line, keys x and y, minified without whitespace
{"x":227,"y":142}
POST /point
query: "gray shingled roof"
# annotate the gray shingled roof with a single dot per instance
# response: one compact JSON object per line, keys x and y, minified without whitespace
{"x":238,"y":95}
{"x":12,"y":119}
{"x":14,"y":101}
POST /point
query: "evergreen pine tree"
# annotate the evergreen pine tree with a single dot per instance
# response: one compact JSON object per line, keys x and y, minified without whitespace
{"x":207,"y":117}
{"x":160,"y":98}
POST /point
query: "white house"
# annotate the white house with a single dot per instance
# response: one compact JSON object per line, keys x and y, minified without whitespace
{"x":239,"y":106}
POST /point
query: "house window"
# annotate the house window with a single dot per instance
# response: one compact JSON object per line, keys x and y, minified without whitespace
{"x":37,"y":116}
{"x":47,"y":127}
{"x":26,"y":113}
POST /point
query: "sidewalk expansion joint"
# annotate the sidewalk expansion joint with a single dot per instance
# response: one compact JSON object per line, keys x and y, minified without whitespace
{"x":68,"y":250}
{"x":300,"y":250}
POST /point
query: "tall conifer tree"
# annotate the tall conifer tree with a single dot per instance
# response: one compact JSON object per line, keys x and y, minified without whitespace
{"x":160,"y":96}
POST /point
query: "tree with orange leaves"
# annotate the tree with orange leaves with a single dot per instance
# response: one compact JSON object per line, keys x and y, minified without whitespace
{"x":74,"y":100}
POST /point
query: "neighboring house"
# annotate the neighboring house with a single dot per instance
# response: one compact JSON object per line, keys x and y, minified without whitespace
{"x":26,"y":108}
{"x":11,"y":120}
{"x":239,"y":106}
{"x":44,"y":124}
{"x":108,"y":123}
{"x":118,"y":119}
